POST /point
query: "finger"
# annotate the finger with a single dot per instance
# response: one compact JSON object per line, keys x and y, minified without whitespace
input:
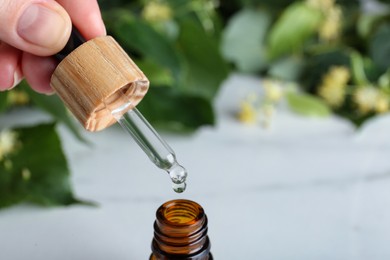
{"x":10,"y":74}
{"x":37,"y":71}
{"x":85,"y":16}
{"x":41,"y":27}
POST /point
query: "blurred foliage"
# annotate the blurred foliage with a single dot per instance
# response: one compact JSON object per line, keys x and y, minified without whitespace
{"x":334,"y":52}
{"x":319,"y":56}
{"x":176,"y":44}
{"x":28,"y":175}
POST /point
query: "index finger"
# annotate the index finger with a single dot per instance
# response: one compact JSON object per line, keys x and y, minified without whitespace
{"x":86,"y":17}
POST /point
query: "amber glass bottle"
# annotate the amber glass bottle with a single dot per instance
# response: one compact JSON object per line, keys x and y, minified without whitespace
{"x":180,"y":232}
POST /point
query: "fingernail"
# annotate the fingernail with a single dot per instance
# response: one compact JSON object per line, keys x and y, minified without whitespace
{"x":17,"y":78}
{"x":43,"y":26}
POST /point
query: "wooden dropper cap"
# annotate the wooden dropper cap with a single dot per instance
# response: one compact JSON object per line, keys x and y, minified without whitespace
{"x":96,"y":77}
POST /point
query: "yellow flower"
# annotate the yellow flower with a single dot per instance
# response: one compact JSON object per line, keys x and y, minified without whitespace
{"x":8,"y":142}
{"x":273,"y":90}
{"x":331,"y":27}
{"x":366,"y":98}
{"x":156,"y":11}
{"x":248,"y":111}
{"x":382,"y":103}
{"x":17,"y":97}
{"x":371,"y":99}
{"x":333,"y":86}
{"x":26,"y":174}
{"x":339,"y":75}
{"x":322,"y":5}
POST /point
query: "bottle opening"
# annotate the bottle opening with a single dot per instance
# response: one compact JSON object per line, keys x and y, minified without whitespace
{"x":180,"y":212}
{"x":180,"y":232}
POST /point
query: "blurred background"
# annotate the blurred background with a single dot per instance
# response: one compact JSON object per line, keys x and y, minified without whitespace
{"x":278,"y":109}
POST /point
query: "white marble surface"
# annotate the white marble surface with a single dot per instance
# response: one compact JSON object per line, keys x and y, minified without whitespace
{"x":303,"y":189}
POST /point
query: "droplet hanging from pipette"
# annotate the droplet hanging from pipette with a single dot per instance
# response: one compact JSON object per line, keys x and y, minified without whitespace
{"x":179,"y":188}
{"x":177,"y":173}
{"x":178,"y":176}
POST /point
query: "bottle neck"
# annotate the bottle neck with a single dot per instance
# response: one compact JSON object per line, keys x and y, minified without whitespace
{"x":180,"y":232}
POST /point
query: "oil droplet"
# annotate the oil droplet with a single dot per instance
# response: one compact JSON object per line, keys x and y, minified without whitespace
{"x":177,"y":173}
{"x":178,"y":176}
{"x":179,"y":187}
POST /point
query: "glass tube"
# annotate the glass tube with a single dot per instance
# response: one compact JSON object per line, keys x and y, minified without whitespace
{"x":158,"y":151}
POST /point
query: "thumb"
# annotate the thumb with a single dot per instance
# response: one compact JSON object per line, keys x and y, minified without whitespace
{"x":40,"y":27}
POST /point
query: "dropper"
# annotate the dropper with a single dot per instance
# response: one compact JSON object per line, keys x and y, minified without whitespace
{"x":133,"y":122}
{"x":158,"y":151}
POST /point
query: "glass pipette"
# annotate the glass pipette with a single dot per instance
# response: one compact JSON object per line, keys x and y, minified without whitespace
{"x":158,"y":151}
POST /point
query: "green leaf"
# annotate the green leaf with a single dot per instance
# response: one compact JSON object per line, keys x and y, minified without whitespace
{"x":137,"y":35}
{"x":37,"y":170}
{"x":297,"y":23}
{"x":357,"y":66}
{"x":243,"y":38}
{"x":3,"y":101}
{"x":380,"y":47}
{"x":307,"y":105}
{"x":367,"y":24}
{"x":169,"y":109}
{"x":206,"y":67}
{"x":288,"y":69}
{"x":157,"y":74}
{"x":384,"y":81}
{"x":55,"y":107}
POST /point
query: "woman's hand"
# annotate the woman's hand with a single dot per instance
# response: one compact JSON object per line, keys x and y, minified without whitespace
{"x":33,"y":30}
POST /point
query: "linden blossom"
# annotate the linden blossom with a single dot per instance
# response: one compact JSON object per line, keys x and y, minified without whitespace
{"x":8,"y":143}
